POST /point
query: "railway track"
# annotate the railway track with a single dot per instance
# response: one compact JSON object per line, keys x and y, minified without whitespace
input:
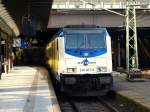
{"x":91,"y":104}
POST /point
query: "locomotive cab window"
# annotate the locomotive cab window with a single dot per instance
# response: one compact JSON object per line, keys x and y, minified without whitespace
{"x":85,"y":40}
{"x":75,"y":41}
{"x":95,"y":40}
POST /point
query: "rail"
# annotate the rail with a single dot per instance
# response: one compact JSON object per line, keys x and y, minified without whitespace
{"x":108,"y":105}
{"x":84,"y":104}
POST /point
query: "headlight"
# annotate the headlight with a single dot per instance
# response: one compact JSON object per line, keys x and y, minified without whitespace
{"x":102,"y":69}
{"x":71,"y":70}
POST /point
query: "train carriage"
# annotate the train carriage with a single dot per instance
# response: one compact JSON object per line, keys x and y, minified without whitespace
{"x":81,"y":60}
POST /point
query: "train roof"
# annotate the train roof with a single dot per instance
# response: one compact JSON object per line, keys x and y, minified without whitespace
{"x":80,"y":29}
{"x":81,"y":26}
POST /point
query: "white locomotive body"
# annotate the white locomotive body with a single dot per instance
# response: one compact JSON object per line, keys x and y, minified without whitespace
{"x":81,"y":59}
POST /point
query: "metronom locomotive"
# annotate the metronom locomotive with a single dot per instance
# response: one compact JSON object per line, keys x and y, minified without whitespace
{"x":80,"y":59}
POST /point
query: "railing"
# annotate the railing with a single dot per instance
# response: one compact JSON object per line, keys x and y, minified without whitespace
{"x":92,"y":4}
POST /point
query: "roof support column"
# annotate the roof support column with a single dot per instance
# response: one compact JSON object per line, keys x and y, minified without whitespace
{"x":131,"y":37}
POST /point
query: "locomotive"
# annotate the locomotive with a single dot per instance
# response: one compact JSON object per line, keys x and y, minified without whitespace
{"x":81,"y":60}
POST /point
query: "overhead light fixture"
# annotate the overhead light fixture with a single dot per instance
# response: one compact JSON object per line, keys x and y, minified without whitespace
{"x":34,"y":41}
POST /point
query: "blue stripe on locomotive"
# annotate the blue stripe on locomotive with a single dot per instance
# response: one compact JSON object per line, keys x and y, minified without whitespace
{"x":80,"y":52}
{"x":86,"y":53}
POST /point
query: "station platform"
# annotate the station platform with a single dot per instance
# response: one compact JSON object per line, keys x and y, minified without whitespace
{"x":135,"y":92}
{"x":27,"y":89}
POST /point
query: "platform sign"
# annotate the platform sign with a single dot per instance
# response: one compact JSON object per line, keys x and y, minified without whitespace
{"x":24,"y":43}
{"x":17,"y":42}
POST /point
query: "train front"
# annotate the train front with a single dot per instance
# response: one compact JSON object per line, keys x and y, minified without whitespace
{"x":87,"y":61}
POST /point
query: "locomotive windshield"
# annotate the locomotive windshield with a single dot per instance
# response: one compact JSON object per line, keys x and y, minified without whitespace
{"x":85,"y":39}
{"x":75,"y":41}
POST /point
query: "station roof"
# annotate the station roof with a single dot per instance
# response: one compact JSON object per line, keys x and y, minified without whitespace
{"x":99,"y":1}
{"x":97,"y":4}
{"x":37,"y":10}
{"x":6,"y":18}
